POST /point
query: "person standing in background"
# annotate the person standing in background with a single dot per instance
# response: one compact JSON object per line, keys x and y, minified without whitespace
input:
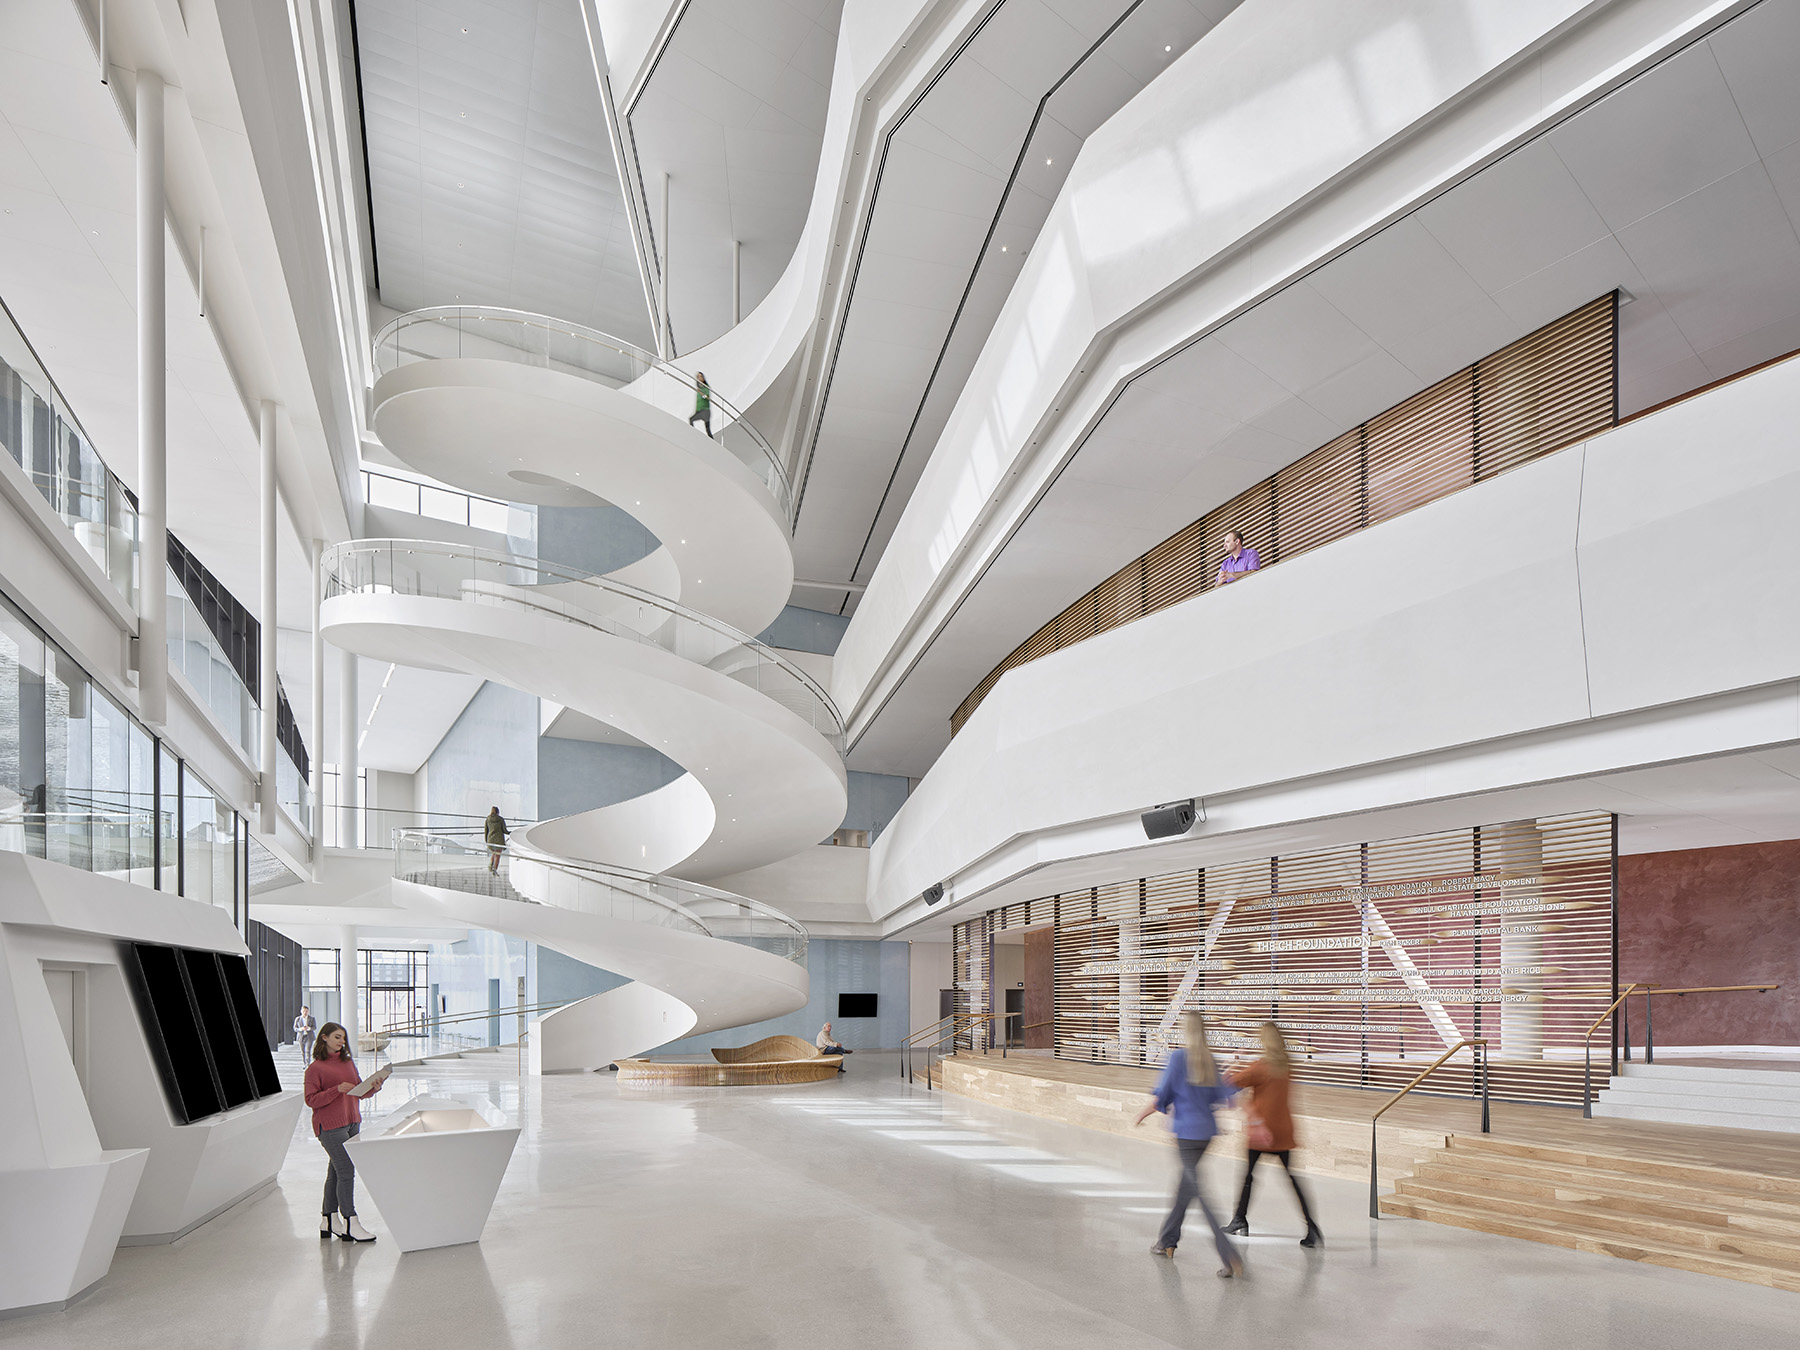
{"x":494,"y":831}
{"x":304,"y":1027}
{"x":1269,"y":1127}
{"x":702,"y":404}
{"x":1239,"y":559}
{"x":1191,"y":1089}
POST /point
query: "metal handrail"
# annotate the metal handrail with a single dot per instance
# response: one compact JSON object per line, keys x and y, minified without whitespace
{"x":338,"y":580}
{"x":959,"y":1022}
{"x":639,"y":885}
{"x":1647,"y":990}
{"x":640,"y":363}
{"x":1374,"y":1121}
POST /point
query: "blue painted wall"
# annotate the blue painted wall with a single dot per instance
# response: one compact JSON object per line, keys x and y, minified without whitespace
{"x":806,"y":630}
{"x":488,"y":758}
{"x":836,"y":965}
{"x":582,"y":775}
{"x":594,"y":539}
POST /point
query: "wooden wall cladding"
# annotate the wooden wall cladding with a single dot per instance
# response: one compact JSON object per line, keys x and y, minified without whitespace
{"x":1372,"y":957}
{"x":1546,"y":391}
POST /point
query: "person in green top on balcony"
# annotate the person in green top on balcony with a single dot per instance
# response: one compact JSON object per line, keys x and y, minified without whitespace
{"x":494,"y":831}
{"x":702,"y":403}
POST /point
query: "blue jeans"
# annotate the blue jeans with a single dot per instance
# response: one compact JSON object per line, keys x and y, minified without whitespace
{"x":1187,"y":1191}
{"x":340,"y":1176}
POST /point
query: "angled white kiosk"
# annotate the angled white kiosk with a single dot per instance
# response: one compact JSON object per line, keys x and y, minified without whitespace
{"x":433,"y":1168}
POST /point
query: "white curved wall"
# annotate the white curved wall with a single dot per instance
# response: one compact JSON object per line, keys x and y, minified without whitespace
{"x":1295,"y":128}
{"x":1571,"y":610}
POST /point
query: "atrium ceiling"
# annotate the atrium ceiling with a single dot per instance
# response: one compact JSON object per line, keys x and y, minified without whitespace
{"x":1682,"y":188}
{"x":734,"y":112}
{"x":967,"y":178}
{"x":491,"y":173}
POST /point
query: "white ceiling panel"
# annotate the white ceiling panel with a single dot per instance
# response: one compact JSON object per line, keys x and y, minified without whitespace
{"x":492,"y":177}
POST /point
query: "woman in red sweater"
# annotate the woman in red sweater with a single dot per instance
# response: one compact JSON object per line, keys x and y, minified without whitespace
{"x":337,"y":1116}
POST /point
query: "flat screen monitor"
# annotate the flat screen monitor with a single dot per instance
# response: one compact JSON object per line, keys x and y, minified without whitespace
{"x":218,"y":1025}
{"x":856,"y":1005}
{"x":173,"y":1031}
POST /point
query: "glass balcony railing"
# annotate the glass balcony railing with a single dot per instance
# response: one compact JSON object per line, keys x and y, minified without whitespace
{"x":448,"y":504}
{"x":196,"y":653}
{"x":293,"y":793}
{"x":44,"y":439}
{"x":552,"y":344}
{"x":486,"y":577}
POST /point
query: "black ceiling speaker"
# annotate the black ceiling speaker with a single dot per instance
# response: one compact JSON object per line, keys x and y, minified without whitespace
{"x":1169,"y":819}
{"x":934,"y":893}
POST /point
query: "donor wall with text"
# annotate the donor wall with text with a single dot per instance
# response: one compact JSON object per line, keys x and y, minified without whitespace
{"x":1374,"y":958}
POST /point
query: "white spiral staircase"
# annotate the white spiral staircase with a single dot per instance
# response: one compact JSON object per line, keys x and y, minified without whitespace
{"x":526,"y":409}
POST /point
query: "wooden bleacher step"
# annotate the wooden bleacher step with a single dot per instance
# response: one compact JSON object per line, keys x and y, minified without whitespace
{"x":1715,"y":1221}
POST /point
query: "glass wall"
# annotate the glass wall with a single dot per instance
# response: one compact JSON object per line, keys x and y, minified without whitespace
{"x":42,"y":437}
{"x":83,"y":783}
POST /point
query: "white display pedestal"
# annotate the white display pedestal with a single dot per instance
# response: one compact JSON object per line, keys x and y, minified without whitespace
{"x":433,"y":1168}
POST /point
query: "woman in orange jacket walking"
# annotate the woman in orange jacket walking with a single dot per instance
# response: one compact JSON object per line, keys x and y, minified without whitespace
{"x":1269,"y":1127}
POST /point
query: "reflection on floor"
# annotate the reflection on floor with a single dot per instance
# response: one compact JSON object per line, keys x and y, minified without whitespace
{"x":859,"y":1212}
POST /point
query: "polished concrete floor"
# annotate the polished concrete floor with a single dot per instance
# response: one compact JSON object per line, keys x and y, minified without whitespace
{"x":861,"y":1213}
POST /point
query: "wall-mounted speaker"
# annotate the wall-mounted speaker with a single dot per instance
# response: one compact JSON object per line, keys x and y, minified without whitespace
{"x":1170,"y":819}
{"x":934,"y":893}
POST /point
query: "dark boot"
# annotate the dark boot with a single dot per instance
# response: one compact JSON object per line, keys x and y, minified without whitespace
{"x":1313,"y":1238}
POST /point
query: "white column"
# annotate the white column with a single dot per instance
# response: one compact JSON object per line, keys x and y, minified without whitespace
{"x":1518,"y":848}
{"x":266,"y":681}
{"x":666,"y":347}
{"x":318,"y":711}
{"x":737,"y":282}
{"x":348,"y":964}
{"x":348,"y":730}
{"x":153,"y":402}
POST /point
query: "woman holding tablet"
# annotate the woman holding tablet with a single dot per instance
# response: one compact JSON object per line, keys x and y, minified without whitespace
{"x":333,"y":1089}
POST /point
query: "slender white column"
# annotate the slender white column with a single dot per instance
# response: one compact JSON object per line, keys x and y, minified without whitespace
{"x":666,"y":348}
{"x":347,"y":751}
{"x":348,"y":968}
{"x":737,"y":282}
{"x":266,"y":680}
{"x":318,"y":711}
{"x":153,"y":402}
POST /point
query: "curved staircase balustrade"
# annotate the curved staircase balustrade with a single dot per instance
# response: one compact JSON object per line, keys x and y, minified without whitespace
{"x":481,"y":331}
{"x":616,"y":608}
{"x":452,"y":863}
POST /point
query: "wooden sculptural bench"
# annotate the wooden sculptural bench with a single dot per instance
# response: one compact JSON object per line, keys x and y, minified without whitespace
{"x":772,"y":1060}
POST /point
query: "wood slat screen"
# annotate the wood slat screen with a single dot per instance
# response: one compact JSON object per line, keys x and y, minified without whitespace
{"x":1371,"y":957}
{"x":1548,"y":390}
{"x":971,"y":972}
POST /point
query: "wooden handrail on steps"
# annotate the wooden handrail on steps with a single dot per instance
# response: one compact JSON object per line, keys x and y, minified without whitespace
{"x":1647,"y":990}
{"x":1374,"y":1121}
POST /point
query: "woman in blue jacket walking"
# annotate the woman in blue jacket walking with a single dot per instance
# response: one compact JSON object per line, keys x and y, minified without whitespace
{"x":1190,"y":1088}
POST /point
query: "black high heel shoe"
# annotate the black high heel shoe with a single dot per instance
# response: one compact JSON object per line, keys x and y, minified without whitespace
{"x":1239,"y":1227}
{"x":1313,"y":1238}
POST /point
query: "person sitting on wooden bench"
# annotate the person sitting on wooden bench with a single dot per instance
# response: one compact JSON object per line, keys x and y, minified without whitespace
{"x":828,"y":1046}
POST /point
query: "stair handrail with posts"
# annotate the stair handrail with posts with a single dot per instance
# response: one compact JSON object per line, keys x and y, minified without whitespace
{"x":1431,"y":1068}
{"x":931,"y":1039}
{"x":1619,"y":1003}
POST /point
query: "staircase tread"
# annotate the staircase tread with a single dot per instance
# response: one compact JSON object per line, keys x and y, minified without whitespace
{"x":1617,"y":1182}
{"x":1609,"y":1216}
{"x":1730,"y":1261}
{"x":1657,"y":1168}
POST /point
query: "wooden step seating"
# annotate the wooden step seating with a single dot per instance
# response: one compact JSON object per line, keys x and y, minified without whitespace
{"x":1711,"y":1220}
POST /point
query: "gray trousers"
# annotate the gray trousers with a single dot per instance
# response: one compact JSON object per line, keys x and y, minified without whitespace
{"x":1187,"y":1192}
{"x":340,"y":1177}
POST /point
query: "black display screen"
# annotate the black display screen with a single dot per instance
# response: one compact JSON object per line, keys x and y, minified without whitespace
{"x":856,"y":1005}
{"x":172,"y":1028}
{"x":218,"y":1022}
{"x":250,"y":1025}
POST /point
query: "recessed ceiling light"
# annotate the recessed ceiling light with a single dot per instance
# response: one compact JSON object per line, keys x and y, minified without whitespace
{"x":1049,"y":161}
{"x":1003,"y":248}
{"x":1166,"y":48}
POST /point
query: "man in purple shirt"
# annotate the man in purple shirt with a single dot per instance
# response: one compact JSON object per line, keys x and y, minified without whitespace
{"x":1238,"y":559}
